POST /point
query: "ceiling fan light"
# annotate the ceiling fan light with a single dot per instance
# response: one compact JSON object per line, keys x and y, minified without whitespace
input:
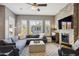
{"x":34,"y":7}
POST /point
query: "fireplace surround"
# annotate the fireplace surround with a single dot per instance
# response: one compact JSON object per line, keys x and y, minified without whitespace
{"x":66,"y":36}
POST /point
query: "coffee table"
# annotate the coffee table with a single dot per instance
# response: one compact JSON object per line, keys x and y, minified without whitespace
{"x":37,"y":47}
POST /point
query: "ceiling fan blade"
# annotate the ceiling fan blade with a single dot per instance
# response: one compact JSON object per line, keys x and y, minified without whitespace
{"x":36,"y":4}
{"x":29,"y":3}
{"x":42,"y":4}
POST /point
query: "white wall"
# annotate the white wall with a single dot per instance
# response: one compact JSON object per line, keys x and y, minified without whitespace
{"x":8,"y":14}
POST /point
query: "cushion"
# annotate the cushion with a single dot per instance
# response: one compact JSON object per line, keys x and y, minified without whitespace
{"x":53,"y":33}
{"x":32,"y":36}
{"x":41,"y":35}
{"x":65,"y":46}
{"x":76,"y":45}
{"x":8,"y":40}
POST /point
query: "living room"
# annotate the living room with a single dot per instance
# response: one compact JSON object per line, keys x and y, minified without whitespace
{"x":37,"y":29}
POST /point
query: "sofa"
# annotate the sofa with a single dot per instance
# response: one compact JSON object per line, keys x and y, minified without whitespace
{"x":35,"y":37}
{"x":19,"y":43}
{"x":8,"y":49}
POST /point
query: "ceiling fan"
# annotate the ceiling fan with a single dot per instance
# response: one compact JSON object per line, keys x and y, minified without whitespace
{"x":37,"y":5}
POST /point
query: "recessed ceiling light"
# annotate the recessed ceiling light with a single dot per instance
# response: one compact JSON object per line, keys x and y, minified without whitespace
{"x":21,"y":8}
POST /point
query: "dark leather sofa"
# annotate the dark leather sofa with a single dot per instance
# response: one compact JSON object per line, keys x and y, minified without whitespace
{"x":8,"y":49}
{"x":68,"y":51}
{"x":35,"y":38}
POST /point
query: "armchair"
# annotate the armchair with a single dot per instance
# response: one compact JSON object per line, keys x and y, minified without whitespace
{"x":68,"y":51}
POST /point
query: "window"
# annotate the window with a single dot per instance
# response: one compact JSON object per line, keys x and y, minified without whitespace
{"x":35,"y":26}
{"x":47,"y":27}
{"x":23,"y":30}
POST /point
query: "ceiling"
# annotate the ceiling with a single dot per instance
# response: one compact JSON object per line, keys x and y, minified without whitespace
{"x":25,"y":9}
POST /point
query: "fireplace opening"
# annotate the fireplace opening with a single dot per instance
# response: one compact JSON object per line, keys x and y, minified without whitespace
{"x":65,"y":37}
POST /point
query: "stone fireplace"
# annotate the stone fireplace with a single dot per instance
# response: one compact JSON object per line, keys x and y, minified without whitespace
{"x":66,"y":36}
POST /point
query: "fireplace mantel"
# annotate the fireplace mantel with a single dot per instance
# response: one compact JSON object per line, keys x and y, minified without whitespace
{"x":70,"y":32}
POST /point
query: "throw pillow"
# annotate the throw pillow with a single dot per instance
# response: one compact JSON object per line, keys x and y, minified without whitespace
{"x":41,"y":35}
{"x":76,"y":45}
